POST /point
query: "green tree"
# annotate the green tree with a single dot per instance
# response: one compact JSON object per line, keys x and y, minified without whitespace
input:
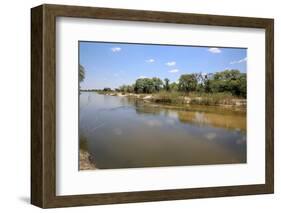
{"x":144,"y":85}
{"x":157,"y":83}
{"x":81,"y":73}
{"x":139,"y":85}
{"x":167,"y":86}
{"x":107,"y":89}
{"x":188,"y":82}
{"x":174,"y":86}
{"x":243,"y":85}
{"x":201,"y":81}
{"x":147,"y":85}
{"x":122,"y":88}
{"x":126,"y":88}
{"x":229,"y":81}
{"x":207,"y":86}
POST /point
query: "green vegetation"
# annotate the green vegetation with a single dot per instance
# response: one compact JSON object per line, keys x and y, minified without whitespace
{"x":173,"y":97}
{"x":148,"y":85}
{"x":81,"y":73}
{"x":166,"y":85}
{"x":228,"y":81}
{"x":228,"y":87}
{"x":188,"y":83}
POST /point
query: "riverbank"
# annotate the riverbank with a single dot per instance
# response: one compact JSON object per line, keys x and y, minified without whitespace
{"x":85,"y":161}
{"x":180,"y":99}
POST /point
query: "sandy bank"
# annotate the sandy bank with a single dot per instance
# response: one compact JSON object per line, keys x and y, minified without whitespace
{"x":85,"y":161}
{"x":234,"y":102}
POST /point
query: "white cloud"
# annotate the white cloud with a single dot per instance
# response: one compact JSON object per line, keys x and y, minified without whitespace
{"x":174,"y":71}
{"x":116,"y":49}
{"x":150,"y":60}
{"x":142,"y":76}
{"x":214,"y":50}
{"x":239,"y":61}
{"x":171,"y":63}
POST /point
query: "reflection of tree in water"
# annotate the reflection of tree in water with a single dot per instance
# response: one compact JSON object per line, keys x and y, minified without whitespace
{"x":131,"y":101}
{"x":196,"y":115}
{"x":142,"y":110}
{"x":89,"y":99}
{"x":141,"y":107}
{"x":228,"y":121}
{"x":237,"y":122}
{"x":199,"y":117}
{"x":83,"y":142}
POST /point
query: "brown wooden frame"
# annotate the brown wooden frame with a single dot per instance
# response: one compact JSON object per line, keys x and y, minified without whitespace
{"x":43,"y":105}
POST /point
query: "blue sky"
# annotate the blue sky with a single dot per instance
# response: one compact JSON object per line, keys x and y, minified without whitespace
{"x":114,"y":64}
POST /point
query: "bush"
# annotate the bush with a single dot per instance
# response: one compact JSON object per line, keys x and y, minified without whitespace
{"x":169,"y":97}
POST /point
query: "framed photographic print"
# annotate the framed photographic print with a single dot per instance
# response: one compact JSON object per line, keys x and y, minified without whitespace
{"x":135,"y":106}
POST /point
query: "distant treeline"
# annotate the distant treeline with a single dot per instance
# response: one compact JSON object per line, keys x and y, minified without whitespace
{"x":231,"y":81}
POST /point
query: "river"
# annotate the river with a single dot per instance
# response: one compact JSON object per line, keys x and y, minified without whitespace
{"x":120,"y":132}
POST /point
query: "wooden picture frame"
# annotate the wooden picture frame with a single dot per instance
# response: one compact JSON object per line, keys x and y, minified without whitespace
{"x":43,"y":105}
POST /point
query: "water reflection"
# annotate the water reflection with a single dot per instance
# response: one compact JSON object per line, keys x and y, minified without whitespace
{"x":126,"y":133}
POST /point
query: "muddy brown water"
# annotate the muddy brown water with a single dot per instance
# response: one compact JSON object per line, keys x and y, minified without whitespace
{"x":120,"y":132}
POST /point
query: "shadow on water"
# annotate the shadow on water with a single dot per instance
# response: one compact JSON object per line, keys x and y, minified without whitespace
{"x":128,"y":133}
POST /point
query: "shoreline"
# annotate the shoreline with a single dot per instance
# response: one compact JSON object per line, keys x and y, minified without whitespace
{"x":185,"y":101}
{"x":86,"y":161}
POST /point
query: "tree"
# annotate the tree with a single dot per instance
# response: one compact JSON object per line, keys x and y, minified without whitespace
{"x":229,"y":81}
{"x":126,"y":88}
{"x":174,"y":86}
{"x":207,"y":86}
{"x":201,"y":81}
{"x":107,"y":89}
{"x":81,"y":73}
{"x":122,"y":88}
{"x":141,"y":85}
{"x":243,"y":85}
{"x":148,"y":85}
{"x":167,"y":86}
{"x":187,"y":83}
{"x":157,"y":83}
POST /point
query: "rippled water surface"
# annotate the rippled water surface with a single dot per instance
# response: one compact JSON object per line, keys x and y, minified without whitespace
{"x":123,"y":133}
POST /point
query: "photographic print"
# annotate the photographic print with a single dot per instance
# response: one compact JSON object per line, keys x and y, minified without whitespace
{"x":156,"y":105}
{"x":153,"y":100}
